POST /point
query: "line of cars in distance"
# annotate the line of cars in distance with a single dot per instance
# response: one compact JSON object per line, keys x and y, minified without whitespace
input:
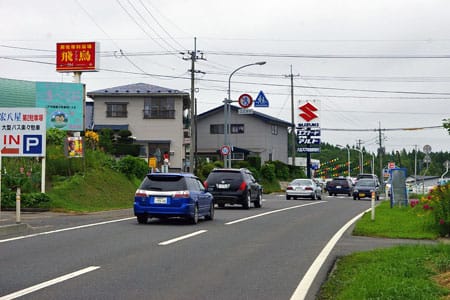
{"x":183,"y":195}
{"x":363,"y":187}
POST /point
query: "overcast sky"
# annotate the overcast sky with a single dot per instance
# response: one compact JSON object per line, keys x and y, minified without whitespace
{"x":371,"y":64}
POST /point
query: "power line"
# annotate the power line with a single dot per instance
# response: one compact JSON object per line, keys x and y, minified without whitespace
{"x":139,"y":25}
{"x":330,"y":56}
{"x":267,"y":84}
{"x":159,"y":24}
{"x":105,"y":33}
{"x":383,"y":129}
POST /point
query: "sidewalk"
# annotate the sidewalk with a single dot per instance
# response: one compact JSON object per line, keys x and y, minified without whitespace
{"x":35,"y":222}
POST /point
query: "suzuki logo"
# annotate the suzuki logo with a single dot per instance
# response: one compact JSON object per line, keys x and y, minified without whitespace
{"x":308,"y":112}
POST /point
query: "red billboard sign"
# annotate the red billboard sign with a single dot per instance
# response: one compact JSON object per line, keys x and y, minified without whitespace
{"x":77,"y":57}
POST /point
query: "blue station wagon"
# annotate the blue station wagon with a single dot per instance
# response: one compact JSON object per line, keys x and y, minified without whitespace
{"x":166,"y":195}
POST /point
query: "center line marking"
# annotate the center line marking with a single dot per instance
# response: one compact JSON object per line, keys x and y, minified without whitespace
{"x":165,"y":243}
{"x":48,"y":283}
{"x":272,"y":212}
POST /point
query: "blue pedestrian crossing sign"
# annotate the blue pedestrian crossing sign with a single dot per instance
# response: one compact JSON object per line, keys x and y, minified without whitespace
{"x":261,"y":100}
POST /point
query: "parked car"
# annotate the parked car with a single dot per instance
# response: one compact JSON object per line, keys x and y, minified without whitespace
{"x":303,"y":188}
{"x":340,"y":185}
{"x":364,"y":188}
{"x":234,"y":186}
{"x":320,"y":182}
{"x":165,"y":195}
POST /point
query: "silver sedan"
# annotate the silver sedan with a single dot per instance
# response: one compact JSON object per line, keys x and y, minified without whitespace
{"x":303,"y":188}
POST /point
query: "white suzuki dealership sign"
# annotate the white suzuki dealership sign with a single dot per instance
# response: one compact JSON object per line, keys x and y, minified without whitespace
{"x":308,"y":127}
{"x":22,"y":131}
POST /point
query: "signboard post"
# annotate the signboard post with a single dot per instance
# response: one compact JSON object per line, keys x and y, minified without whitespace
{"x":23,"y":131}
{"x":23,"y":134}
{"x":308,"y":132}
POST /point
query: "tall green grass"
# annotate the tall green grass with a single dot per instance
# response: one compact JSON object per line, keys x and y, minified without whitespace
{"x":401,"y":272}
{"x":96,"y":190}
{"x":397,"y":222}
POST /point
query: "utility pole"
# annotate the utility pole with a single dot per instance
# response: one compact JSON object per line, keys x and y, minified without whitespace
{"x":193,"y":56}
{"x":381,"y":153}
{"x":293,"y":135}
{"x":361,"y":156}
{"x":415,"y":166}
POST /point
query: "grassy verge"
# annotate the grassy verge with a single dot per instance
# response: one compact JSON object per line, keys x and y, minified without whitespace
{"x":95,"y":191}
{"x":397,"y":222}
{"x":401,"y":272}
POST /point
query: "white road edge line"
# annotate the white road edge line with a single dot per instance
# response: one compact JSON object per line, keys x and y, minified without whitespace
{"x":168,"y":242}
{"x":272,"y":212}
{"x":304,"y":285}
{"x":48,"y":283}
{"x":64,"y":229}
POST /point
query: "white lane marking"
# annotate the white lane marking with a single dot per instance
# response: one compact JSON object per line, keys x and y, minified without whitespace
{"x":272,"y":212}
{"x":64,"y":229}
{"x":45,"y":284}
{"x":305,"y":284}
{"x":165,"y":243}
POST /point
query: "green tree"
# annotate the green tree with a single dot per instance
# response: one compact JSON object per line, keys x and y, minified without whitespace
{"x":447,"y":124}
{"x":56,"y":136}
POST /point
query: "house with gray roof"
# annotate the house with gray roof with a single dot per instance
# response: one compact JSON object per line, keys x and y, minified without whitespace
{"x":250,"y":134}
{"x":156,"y":117}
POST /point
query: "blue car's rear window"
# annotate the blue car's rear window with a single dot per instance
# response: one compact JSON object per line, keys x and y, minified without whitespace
{"x":163,"y":183}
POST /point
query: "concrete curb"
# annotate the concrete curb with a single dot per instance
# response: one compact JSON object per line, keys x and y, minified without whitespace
{"x":14,"y":229}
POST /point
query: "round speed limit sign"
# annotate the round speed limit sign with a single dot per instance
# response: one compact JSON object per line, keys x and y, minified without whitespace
{"x":225,"y":150}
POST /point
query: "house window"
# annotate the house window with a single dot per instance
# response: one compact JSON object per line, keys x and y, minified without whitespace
{"x":116,"y":110}
{"x":157,"y":150}
{"x":216,"y":129}
{"x":274,"y":129}
{"x":237,"y":156}
{"x":237,"y":128}
{"x":159,"y":108}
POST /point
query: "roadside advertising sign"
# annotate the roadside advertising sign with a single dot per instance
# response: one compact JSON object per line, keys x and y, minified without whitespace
{"x":23,"y":131}
{"x":64,"y":103}
{"x":77,"y":57}
{"x":74,"y":146}
{"x":308,"y":127}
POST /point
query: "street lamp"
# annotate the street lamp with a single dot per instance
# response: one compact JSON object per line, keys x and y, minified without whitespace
{"x":373,"y":163}
{"x":361,"y":161}
{"x":348,"y":157}
{"x":227,"y":114}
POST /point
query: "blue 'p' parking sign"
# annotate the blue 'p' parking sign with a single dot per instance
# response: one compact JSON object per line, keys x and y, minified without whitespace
{"x":32,"y":144}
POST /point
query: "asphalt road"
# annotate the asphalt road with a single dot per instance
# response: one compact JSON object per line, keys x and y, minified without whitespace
{"x":242,"y":254}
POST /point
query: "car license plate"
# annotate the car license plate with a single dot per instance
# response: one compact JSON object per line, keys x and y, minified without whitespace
{"x":160,"y":200}
{"x":362,"y":194}
{"x":223,"y":186}
{"x":338,"y":187}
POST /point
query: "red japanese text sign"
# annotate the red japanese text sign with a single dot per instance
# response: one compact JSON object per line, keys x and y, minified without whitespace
{"x":77,"y":57}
